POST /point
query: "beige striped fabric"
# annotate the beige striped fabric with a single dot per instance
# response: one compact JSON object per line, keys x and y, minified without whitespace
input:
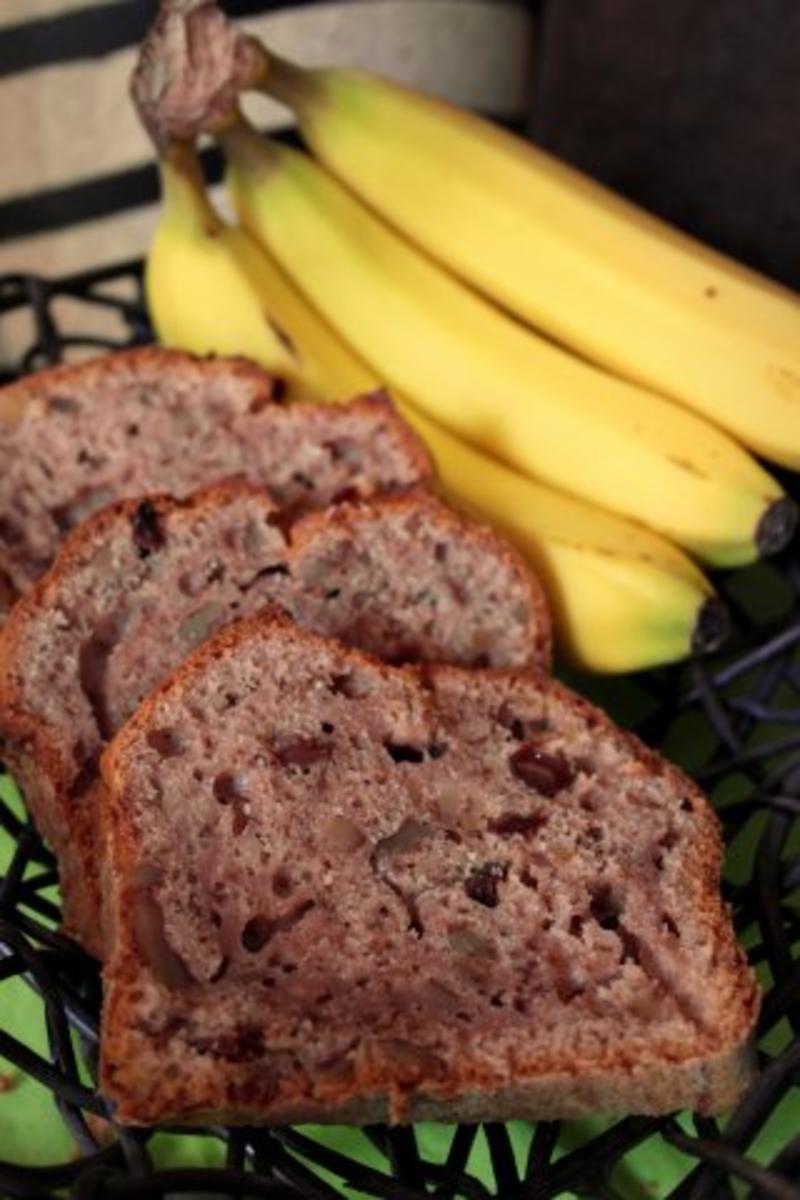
{"x":68,"y":122}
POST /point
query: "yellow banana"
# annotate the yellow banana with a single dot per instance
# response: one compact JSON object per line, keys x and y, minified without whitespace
{"x":211,"y":289}
{"x":623,"y":598}
{"x":591,"y":270}
{"x":496,"y":384}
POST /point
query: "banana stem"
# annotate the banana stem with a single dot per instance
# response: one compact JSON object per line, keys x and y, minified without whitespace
{"x":283,"y":80}
{"x":243,"y":144}
{"x":712,"y":626}
{"x":183,"y":189}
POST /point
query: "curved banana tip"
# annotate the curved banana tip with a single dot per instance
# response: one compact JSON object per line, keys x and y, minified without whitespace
{"x":711,"y":627}
{"x":777,"y":526}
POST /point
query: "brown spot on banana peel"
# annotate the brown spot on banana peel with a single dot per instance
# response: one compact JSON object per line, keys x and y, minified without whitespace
{"x":687,"y":466}
{"x":285,"y":340}
{"x":630,"y":554}
{"x":786,"y":381}
{"x":191,"y":67}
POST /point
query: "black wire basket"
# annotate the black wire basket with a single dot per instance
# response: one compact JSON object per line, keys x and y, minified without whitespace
{"x":733,"y":721}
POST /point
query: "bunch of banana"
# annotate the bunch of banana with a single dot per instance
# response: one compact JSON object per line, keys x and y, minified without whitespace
{"x":623,"y":597}
{"x":500,"y":386}
{"x":352,"y":303}
{"x":592,"y":271}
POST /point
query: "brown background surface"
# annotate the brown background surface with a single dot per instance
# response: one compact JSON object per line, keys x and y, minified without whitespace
{"x":691,"y":107}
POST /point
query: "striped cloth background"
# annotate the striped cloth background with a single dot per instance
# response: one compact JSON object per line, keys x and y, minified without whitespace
{"x":77,"y":184}
{"x":690,"y":108}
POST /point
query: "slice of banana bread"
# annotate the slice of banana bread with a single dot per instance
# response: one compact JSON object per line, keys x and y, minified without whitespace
{"x":132,"y":591}
{"x":75,"y":438}
{"x":136,"y":587}
{"x":405,"y":893}
{"x":409,"y":580}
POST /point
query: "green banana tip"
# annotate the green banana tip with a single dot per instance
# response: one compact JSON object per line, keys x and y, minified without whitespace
{"x":711,"y":627}
{"x":776,"y":527}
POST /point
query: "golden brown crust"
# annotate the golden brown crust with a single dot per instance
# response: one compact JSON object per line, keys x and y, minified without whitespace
{"x":707,"y":1085}
{"x":15,"y":396}
{"x":707,"y":1076}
